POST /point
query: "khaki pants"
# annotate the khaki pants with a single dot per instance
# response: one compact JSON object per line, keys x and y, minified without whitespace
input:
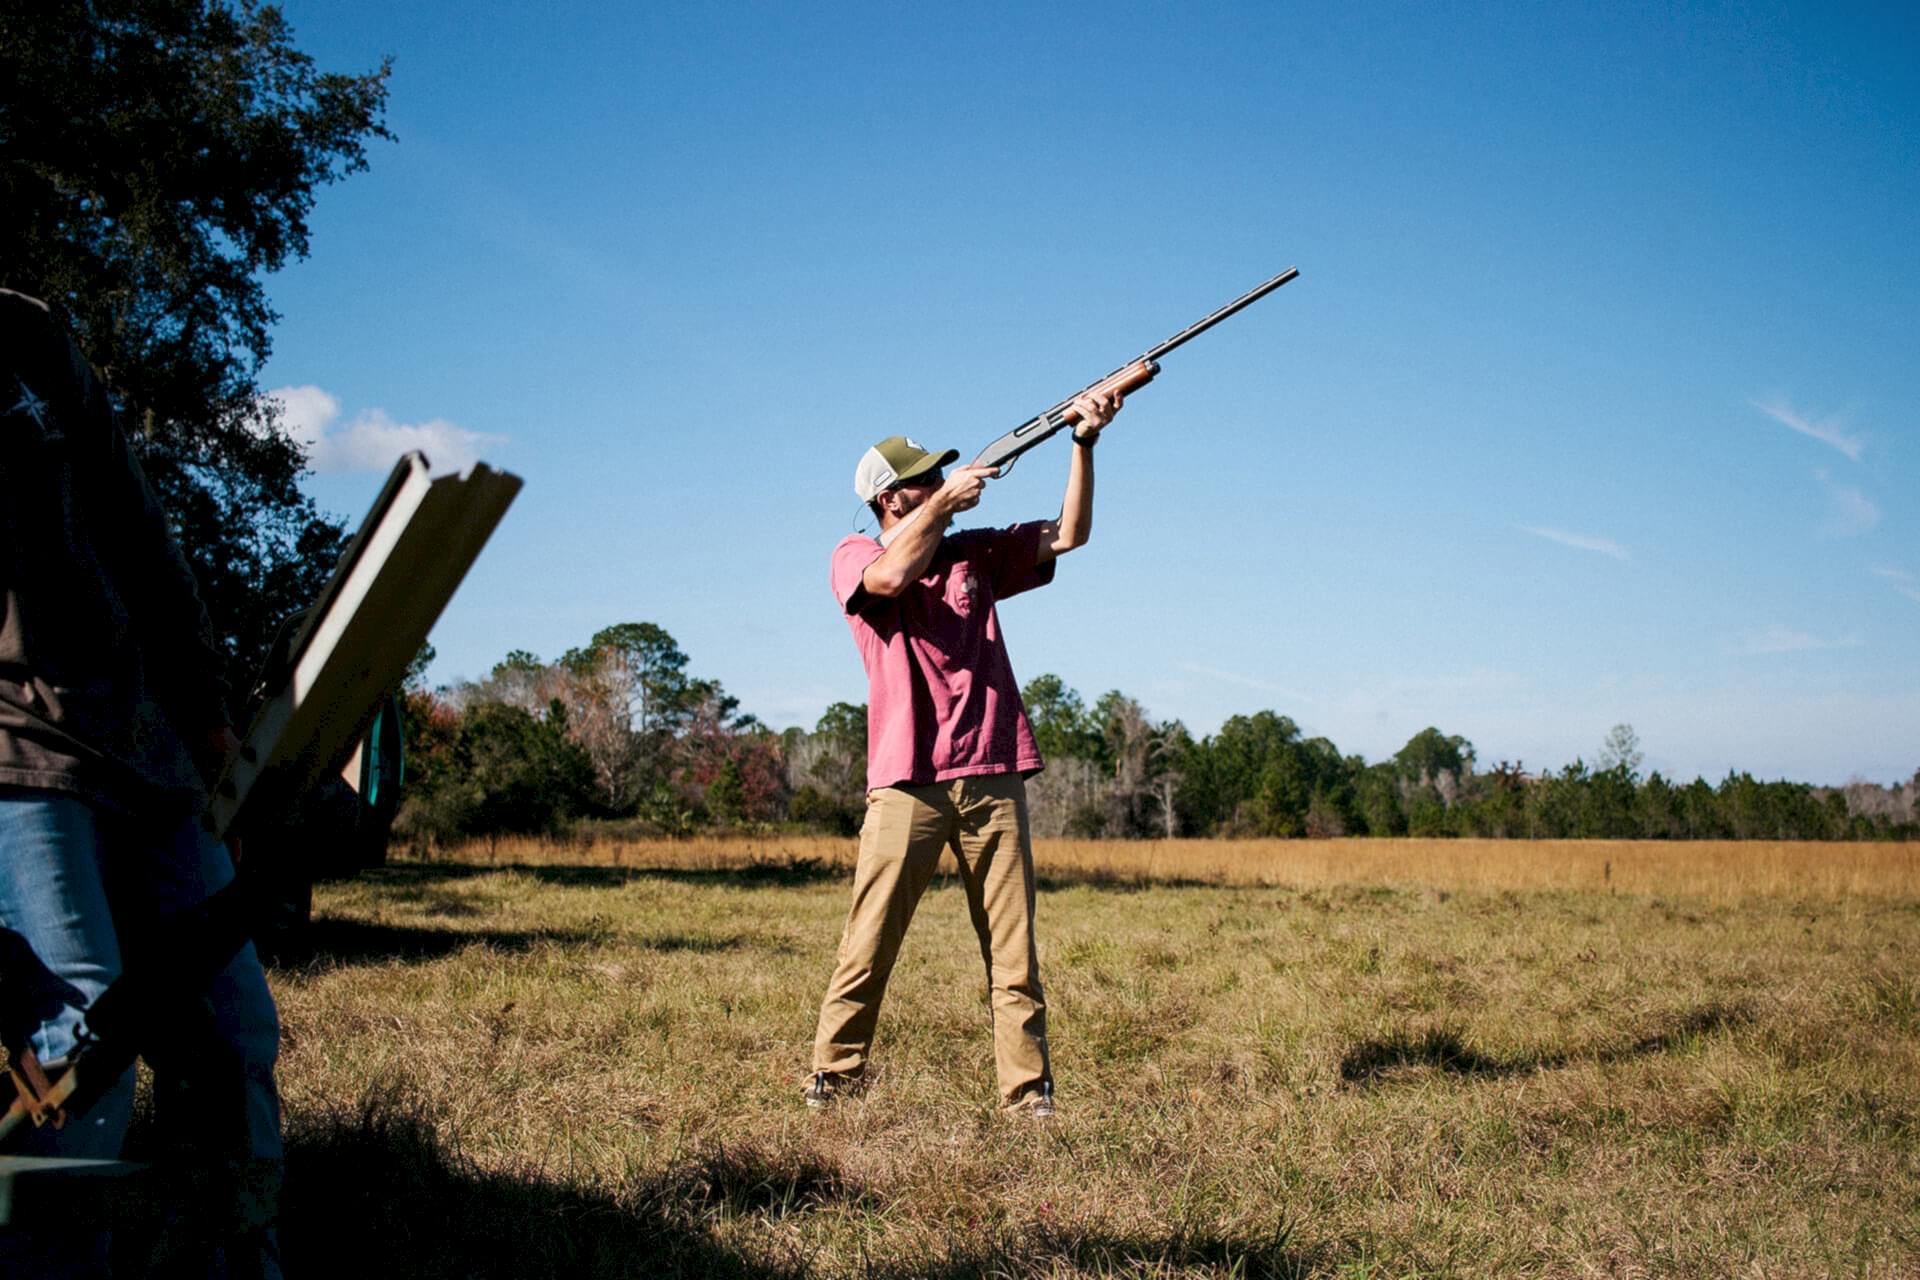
{"x":984,"y":821}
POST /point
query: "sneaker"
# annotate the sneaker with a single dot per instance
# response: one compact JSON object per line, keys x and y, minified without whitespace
{"x":828,"y":1087}
{"x":1038,"y":1105}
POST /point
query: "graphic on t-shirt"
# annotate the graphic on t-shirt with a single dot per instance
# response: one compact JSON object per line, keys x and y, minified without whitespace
{"x":35,"y":408}
{"x":963,"y":592}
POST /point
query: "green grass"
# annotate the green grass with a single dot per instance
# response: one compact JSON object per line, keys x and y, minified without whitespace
{"x":596,"y":1072}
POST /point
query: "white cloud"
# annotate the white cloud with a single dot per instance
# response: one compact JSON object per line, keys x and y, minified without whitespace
{"x":1579,"y":541}
{"x":1784,"y":639}
{"x":371,"y":440}
{"x":306,"y":412}
{"x":1827,"y":432}
{"x":1850,"y":511}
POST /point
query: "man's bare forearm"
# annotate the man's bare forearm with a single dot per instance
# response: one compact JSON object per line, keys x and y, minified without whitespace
{"x":908,"y":554}
{"x":911,"y":542}
{"x":1094,"y":411}
{"x":1076,"y":508}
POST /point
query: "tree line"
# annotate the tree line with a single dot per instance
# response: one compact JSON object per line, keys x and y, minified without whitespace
{"x":615,"y":729}
{"x":618,"y":731}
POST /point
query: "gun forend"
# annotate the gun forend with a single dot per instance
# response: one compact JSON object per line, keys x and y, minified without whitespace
{"x":1120,"y":381}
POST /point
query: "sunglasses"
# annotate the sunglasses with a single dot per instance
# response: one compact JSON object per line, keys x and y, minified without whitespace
{"x":932,"y":478}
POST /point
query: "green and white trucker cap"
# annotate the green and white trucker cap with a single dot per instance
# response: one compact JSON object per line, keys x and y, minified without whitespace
{"x":895,"y":459}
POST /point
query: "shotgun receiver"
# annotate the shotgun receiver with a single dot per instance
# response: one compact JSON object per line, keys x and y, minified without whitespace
{"x":1001,"y":454}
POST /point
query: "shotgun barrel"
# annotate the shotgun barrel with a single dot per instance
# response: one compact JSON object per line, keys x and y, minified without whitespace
{"x":1240,"y":303}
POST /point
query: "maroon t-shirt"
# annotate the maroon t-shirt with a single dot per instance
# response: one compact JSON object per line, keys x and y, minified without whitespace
{"x":941,"y":698}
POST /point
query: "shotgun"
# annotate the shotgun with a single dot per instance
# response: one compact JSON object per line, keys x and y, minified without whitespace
{"x":1129,"y":377}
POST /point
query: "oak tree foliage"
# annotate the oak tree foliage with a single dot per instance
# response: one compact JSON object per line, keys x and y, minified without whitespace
{"x":158,"y":158}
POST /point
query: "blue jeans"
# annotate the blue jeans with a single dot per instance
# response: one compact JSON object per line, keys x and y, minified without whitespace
{"x":75,"y":880}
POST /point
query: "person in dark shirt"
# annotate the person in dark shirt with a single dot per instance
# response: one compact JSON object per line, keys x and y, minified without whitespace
{"x":112,"y":721}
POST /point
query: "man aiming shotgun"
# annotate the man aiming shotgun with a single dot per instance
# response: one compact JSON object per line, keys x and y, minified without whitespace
{"x":948,"y":743}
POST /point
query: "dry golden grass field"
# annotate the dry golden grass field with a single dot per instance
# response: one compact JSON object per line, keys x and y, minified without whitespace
{"x":1329,"y":1059}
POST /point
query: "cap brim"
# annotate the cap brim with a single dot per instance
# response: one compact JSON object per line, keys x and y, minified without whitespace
{"x":932,"y":462}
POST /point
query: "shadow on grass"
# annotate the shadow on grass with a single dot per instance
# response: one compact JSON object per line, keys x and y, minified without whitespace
{"x":1378,"y":1060}
{"x":378,"y":1193}
{"x":789,"y":873}
{"x":333,"y":940}
{"x":1115,"y":881}
{"x":699,"y":943}
{"x":782,"y":873}
{"x":1387,"y":1058}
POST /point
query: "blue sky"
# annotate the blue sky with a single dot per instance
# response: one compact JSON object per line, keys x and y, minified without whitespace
{"x":1594,"y":401}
